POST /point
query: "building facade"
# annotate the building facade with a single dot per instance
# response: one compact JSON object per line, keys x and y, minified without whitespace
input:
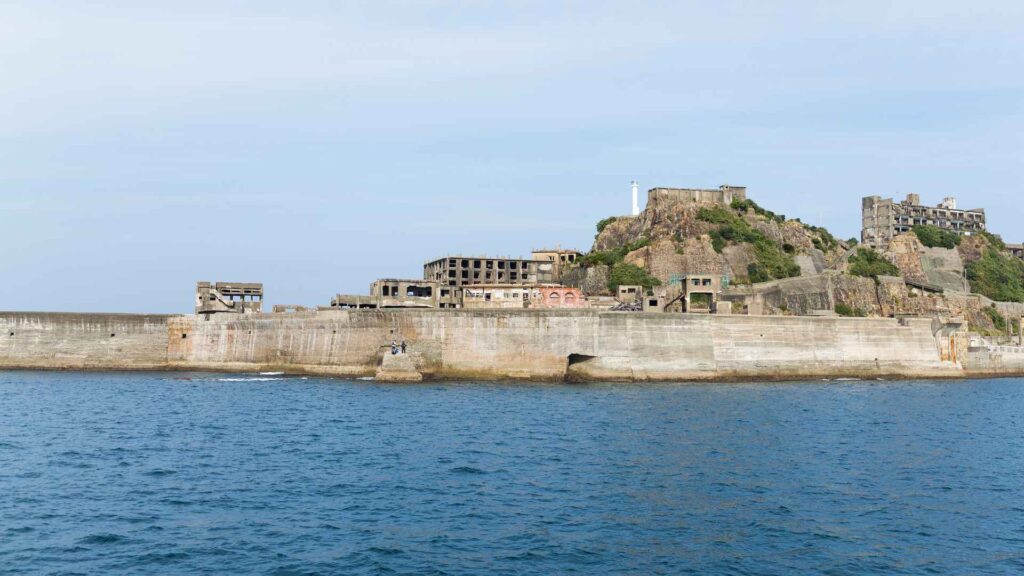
{"x":561,"y":258}
{"x":517,"y":296}
{"x":395,"y":293}
{"x":724,"y":194}
{"x":884,"y":219}
{"x":474,"y":270}
{"x":229,"y":297}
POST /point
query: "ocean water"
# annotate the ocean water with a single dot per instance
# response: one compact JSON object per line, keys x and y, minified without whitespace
{"x":214,"y":474}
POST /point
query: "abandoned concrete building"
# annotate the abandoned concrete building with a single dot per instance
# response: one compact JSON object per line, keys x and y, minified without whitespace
{"x":230,"y":297}
{"x":628,"y":294}
{"x":724,"y":194}
{"x":472,"y":270}
{"x":693,"y":293}
{"x":486,"y":296}
{"x":1016,"y":249}
{"x":395,"y":293}
{"x":884,"y":219}
{"x":562,"y":259}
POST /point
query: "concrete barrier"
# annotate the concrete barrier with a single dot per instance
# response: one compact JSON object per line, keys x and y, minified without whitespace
{"x":492,"y":344}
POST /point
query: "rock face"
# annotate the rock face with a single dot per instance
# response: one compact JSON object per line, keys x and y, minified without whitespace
{"x":941,"y":267}
{"x":680,"y":242}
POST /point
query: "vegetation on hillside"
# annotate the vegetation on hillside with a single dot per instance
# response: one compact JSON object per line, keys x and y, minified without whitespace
{"x":745,"y":205}
{"x":995,"y":240}
{"x":998,"y":276}
{"x":849,"y":311}
{"x":630,"y":275}
{"x":613,"y":257}
{"x":601,"y":225}
{"x":998,"y":320}
{"x":772,"y":261}
{"x":870,"y":264}
{"x":935,"y":237}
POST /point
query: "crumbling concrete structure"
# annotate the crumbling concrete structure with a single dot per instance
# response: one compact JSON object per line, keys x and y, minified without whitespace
{"x":561,"y":259}
{"x":725,"y":194}
{"x":692,"y":293}
{"x":229,"y":297}
{"x":472,"y":270}
{"x":884,"y":219}
{"x":492,"y":296}
{"x":394,"y":293}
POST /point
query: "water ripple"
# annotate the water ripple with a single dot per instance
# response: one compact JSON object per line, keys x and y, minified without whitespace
{"x":207,"y":474}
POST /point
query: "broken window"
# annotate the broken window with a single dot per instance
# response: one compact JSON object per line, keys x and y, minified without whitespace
{"x":707,"y":282}
{"x":476,"y":263}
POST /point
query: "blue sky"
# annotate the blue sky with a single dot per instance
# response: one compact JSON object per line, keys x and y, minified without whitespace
{"x":316,"y":146}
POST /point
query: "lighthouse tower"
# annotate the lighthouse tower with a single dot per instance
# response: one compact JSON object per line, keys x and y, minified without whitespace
{"x":636,"y":199}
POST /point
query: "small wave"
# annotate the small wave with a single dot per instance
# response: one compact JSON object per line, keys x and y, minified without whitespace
{"x":467,"y":470}
{"x":252,"y":379}
{"x":159,"y":473}
{"x":271,"y":373}
{"x":102,"y":539}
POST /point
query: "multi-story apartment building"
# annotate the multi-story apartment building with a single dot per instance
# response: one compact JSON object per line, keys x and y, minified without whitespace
{"x":884,"y":219}
{"x":472,"y":270}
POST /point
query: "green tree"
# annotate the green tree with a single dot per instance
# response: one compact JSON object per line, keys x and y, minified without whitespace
{"x":870,"y":264}
{"x":997,"y":276}
{"x":623,"y":274}
{"x":935,"y":237}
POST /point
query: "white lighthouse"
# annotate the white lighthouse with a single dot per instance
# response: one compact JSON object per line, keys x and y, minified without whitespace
{"x":636,"y":199}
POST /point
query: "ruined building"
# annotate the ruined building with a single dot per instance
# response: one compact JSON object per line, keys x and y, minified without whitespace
{"x":561,"y":258}
{"x":511,"y":296}
{"x":469,"y":270}
{"x":725,"y":194}
{"x":393,"y":293}
{"x":231,"y":297}
{"x":884,"y":219}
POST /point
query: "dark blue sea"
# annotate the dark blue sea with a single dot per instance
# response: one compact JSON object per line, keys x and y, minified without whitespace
{"x":216,"y":474}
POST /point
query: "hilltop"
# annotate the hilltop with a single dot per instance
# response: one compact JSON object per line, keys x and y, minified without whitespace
{"x":739,"y":240}
{"x":776,"y":265}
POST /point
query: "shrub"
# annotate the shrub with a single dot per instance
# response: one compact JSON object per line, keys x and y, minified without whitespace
{"x":870,"y":264}
{"x":716,"y":215}
{"x":756,"y":274}
{"x":744,"y":205}
{"x":604,"y":223}
{"x":852,"y":242}
{"x":849,"y":311}
{"x":825,"y":240}
{"x":628,"y":274}
{"x":997,"y":276}
{"x":935,"y":237}
{"x":612,"y":257}
{"x":773,"y":261}
{"x":998,"y":320}
{"x":995,"y":240}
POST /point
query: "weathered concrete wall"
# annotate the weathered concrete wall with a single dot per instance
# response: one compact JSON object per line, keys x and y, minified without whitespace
{"x":83,"y":341}
{"x":543,"y":344}
{"x":496,"y":344}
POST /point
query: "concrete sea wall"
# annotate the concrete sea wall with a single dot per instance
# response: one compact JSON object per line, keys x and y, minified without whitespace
{"x":493,"y":344}
{"x":83,"y":341}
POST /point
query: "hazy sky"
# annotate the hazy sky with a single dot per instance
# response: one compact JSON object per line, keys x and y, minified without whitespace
{"x":316,"y":146}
